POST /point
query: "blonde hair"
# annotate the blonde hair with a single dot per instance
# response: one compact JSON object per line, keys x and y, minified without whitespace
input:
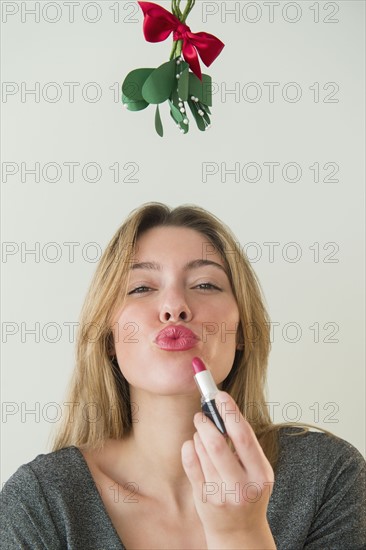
{"x":98,"y":405}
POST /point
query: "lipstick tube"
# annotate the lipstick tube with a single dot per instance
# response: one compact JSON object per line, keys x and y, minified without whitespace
{"x":208,"y":390}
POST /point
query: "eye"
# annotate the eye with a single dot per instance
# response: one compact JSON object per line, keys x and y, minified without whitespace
{"x":208,"y":286}
{"x":139,"y":290}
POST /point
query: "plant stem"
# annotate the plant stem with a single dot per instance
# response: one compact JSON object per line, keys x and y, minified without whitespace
{"x":172,"y":53}
{"x":178,"y":50}
{"x":177,"y":45}
{"x":176,"y":8}
{"x":189,"y":7}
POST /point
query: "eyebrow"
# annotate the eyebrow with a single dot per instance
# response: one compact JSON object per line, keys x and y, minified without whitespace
{"x":194,"y":264}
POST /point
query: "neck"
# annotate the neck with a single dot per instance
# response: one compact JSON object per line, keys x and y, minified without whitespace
{"x":160,"y":426}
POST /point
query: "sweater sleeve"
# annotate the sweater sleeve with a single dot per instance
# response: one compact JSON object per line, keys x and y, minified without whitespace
{"x":340,"y":521}
{"x":25,"y":519}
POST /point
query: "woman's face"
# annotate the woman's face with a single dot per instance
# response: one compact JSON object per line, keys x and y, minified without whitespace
{"x":167,"y":289}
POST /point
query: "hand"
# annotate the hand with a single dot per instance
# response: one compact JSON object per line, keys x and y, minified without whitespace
{"x":230,"y":491}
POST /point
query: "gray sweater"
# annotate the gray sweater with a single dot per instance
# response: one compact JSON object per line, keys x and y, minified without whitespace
{"x":318,"y":500}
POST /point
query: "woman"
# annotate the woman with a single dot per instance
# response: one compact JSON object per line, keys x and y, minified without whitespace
{"x":136,"y":465}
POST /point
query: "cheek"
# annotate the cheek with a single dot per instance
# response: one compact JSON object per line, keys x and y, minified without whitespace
{"x":234,"y":313}
{"x":229,"y":323}
{"x":128,"y":328}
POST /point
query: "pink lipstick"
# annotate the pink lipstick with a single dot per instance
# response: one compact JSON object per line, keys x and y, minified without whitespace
{"x":176,"y":338}
{"x":208,"y":390}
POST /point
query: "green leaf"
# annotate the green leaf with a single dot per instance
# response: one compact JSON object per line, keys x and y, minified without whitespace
{"x":159,"y":85}
{"x":198,"y":118}
{"x":132,"y":84}
{"x":134,"y":105}
{"x":176,"y":114}
{"x":183,"y":84}
{"x":206,"y":118}
{"x":174,"y":98}
{"x":182,"y":126}
{"x":158,"y":123}
{"x":202,"y":90}
{"x":207,"y":90}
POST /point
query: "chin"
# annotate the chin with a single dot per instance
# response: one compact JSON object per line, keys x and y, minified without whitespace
{"x":171,"y":385}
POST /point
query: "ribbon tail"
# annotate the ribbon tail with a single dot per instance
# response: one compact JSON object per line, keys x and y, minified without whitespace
{"x":190,"y":55}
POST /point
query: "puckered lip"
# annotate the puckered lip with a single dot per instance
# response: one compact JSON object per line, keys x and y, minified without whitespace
{"x":175,"y":332}
{"x":176,"y":338}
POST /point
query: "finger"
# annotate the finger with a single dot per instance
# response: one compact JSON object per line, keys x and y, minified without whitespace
{"x":209,"y":471}
{"x":192,"y":466}
{"x":246,"y":444}
{"x":217,"y":450}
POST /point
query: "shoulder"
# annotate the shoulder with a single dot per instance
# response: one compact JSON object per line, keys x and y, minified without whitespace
{"x":53,"y":502}
{"x":27,"y":516}
{"x":319,"y":459}
{"x":319,"y":493}
{"x":295,"y":446}
{"x":52,"y":480}
{"x":48,"y":476}
{"x":45,"y":470}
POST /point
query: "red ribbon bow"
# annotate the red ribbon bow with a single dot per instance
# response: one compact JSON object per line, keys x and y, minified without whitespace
{"x":159,"y":23}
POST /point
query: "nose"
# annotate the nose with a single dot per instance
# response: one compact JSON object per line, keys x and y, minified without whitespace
{"x":175,"y":308}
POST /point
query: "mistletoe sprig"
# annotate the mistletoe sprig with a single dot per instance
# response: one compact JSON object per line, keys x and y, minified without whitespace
{"x":179,"y":81}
